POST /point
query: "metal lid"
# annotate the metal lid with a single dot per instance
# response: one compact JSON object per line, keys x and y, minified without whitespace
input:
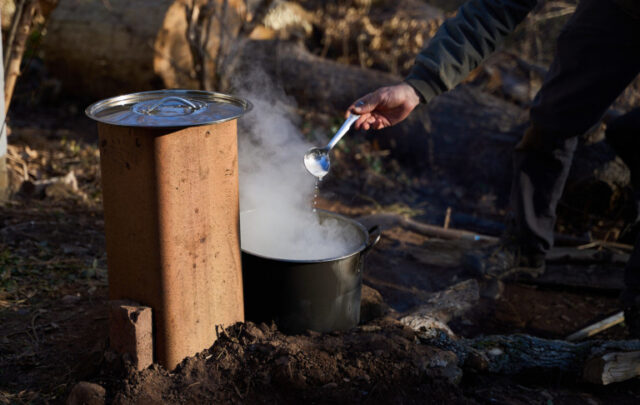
{"x":168,"y":108}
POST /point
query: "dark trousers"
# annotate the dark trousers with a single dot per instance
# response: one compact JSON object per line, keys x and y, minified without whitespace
{"x":598,"y":55}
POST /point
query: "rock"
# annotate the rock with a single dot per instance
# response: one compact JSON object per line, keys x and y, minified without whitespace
{"x":60,"y":191}
{"x":71,"y":299}
{"x":491,"y":289}
{"x":445,"y":364}
{"x":86,"y":393}
{"x":427,"y":325}
{"x":372,"y":305}
{"x":254,"y":331}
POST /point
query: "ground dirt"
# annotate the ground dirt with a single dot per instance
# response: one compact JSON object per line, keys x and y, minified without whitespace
{"x":54,"y":333}
{"x":53,"y":305}
{"x":380,"y":362}
{"x":53,"y":273}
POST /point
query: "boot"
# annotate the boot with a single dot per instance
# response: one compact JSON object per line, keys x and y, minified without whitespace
{"x":623,"y":135}
{"x":630,"y":299}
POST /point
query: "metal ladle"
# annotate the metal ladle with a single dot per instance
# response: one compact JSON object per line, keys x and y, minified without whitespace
{"x":316,"y":160}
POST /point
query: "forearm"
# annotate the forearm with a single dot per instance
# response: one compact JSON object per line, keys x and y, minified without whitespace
{"x":463,"y":42}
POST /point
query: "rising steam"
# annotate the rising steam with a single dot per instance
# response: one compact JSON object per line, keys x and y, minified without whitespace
{"x":276,"y":192}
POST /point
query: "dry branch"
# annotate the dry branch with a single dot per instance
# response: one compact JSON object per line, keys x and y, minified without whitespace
{"x":15,"y":22}
{"x":389,"y":220}
{"x":597,"y":327}
{"x":15,"y":49}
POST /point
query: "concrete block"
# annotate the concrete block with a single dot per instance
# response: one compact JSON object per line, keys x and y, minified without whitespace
{"x":131,"y":332}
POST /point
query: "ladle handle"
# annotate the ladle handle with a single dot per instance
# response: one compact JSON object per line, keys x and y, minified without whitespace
{"x":343,"y":130}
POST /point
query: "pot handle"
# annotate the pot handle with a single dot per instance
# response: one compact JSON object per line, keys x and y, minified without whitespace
{"x":184,"y":101}
{"x":374,"y":237}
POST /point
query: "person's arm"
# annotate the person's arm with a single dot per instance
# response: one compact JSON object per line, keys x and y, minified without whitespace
{"x":459,"y":46}
{"x":463,"y":42}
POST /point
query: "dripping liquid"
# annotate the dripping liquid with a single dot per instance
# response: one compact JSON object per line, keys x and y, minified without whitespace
{"x":316,"y":192}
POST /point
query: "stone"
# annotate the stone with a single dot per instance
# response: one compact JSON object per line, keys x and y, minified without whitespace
{"x":491,"y":289}
{"x":372,"y":305}
{"x":86,"y":393}
{"x":131,"y":332}
{"x":71,"y":299}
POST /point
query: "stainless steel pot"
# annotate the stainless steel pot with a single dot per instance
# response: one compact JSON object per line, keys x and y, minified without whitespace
{"x":320,"y":295}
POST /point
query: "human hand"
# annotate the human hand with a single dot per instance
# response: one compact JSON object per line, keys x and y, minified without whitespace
{"x":384,"y":107}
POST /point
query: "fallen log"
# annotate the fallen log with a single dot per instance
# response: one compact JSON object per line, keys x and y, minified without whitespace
{"x":612,"y":367}
{"x":441,"y":307}
{"x":447,"y":304}
{"x":586,"y":256}
{"x":322,"y":84}
{"x":600,"y":362}
{"x":516,"y":354}
{"x":593,"y":277}
{"x":99,"y":49}
{"x":149,"y":44}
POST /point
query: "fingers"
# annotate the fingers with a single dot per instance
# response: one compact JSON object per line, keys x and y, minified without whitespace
{"x":361,"y":121}
{"x":365,"y":121}
{"x":365,"y":104}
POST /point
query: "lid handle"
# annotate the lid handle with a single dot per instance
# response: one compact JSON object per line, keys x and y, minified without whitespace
{"x":184,"y":101}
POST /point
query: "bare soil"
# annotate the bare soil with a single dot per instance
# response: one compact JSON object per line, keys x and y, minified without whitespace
{"x":53,"y":289}
{"x":377,"y":363}
{"x":54,"y":332}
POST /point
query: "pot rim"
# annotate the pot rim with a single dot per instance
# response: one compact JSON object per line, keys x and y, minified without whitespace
{"x":92,"y":110}
{"x":359,"y":250}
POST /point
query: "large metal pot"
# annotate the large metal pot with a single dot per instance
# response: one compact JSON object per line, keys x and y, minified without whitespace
{"x":320,"y":295}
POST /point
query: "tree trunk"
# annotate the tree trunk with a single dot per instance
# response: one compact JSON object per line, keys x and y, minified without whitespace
{"x":100,"y":49}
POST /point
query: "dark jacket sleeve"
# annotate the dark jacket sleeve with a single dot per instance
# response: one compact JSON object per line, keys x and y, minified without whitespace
{"x":463,"y":42}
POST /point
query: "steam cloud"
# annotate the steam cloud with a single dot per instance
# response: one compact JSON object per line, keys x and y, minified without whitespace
{"x":276,"y":192}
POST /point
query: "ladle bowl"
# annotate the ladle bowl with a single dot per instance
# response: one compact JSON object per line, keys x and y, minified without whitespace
{"x":316,"y":160}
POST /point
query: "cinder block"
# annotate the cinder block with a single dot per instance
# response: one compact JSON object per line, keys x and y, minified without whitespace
{"x":131,"y":332}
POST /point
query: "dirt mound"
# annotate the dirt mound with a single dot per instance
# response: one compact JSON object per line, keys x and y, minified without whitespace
{"x":377,"y":363}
